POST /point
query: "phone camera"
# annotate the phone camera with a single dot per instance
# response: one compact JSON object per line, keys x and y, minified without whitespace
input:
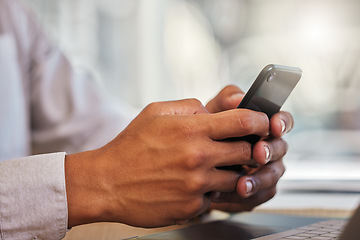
{"x":271,"y":77}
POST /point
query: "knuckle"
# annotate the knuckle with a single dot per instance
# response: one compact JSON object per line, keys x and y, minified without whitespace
{"x":252,"y":122}
{"x":280,"y":170}
{"x":195,"y":159}
{"x":195,"y":102}
{"x":272,"y":193}
{"x":276,"y":173}
{"x":245,"y":122}
{"x":196,"y":183}
{"x":152,"y":107}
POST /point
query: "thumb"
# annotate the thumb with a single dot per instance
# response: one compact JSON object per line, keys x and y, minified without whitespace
{"x":228,"y":98}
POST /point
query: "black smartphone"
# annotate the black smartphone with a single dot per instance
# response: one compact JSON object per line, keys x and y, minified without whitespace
{"x":267,"y":94}
{"x":269,"y":91}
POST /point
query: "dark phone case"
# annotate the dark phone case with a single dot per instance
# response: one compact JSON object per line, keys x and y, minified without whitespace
{"x":268,"y":96}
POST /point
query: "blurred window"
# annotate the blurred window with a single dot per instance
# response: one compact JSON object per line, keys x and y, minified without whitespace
{"x":146,"y":51}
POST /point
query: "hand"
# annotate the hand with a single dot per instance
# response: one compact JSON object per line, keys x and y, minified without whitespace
{"x":259,"y":185}
{"x":162,"y":167}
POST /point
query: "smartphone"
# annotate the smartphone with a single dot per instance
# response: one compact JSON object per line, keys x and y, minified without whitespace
{"x":269,"y":91}
{"x":267,"y":94}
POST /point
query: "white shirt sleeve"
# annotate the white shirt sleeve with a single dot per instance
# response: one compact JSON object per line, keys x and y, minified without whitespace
{"x":33,"y":201}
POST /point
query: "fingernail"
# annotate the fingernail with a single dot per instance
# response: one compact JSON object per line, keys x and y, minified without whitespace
{"x":237,"y":96}
{"x":283,"y":126}
{"x":267,"y":153}
{"x":249,"y":186}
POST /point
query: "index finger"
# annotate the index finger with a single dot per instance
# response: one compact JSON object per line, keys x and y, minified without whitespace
{"x":236,"y":123}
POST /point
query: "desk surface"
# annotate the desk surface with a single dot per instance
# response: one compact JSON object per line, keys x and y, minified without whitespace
{"x":107,"y":231}
{"x":110,"y":231}
{"x":341,"y":206}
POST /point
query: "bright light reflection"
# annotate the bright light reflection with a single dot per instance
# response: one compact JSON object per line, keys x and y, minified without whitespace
{"x":317,"y":32}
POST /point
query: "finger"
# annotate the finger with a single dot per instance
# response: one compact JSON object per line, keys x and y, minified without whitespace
{"x":228,"y":197}
{"x":222,"y":181}
{"x":228,"y":206}
{"x":236,"y":123}
{"x":281,"y":123}
{"x":231,"y":202}
{"x":265,"y":178}
{"x":228,"y":153}
{"x":228,"y":98}
{"x":206,"y":202}
{"x":185,"y":106}
{"x":259,"y":198}
{"x":269,"y":150}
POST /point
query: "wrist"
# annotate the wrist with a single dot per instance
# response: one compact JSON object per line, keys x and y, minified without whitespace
{"x":86,"y":188}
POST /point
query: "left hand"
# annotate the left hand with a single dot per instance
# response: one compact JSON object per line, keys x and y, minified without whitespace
{"x":259,"y":184}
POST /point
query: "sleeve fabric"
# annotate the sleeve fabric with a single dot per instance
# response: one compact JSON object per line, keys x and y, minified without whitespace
{"x":33,"y":204}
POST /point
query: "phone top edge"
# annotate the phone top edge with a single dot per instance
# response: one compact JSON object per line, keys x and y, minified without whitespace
{"x":261,"y":78}
{"x":283,"y":67}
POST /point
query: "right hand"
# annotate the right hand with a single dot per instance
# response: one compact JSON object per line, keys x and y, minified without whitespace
{"x":160,"y":169}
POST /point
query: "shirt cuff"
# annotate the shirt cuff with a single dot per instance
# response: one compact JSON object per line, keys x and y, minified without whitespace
{"x":33,"y":203}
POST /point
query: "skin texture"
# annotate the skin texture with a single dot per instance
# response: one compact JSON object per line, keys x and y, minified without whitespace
{"x":163,"y":168}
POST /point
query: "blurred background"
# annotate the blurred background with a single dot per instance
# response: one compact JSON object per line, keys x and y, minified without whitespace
{"x":153,"y":50}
